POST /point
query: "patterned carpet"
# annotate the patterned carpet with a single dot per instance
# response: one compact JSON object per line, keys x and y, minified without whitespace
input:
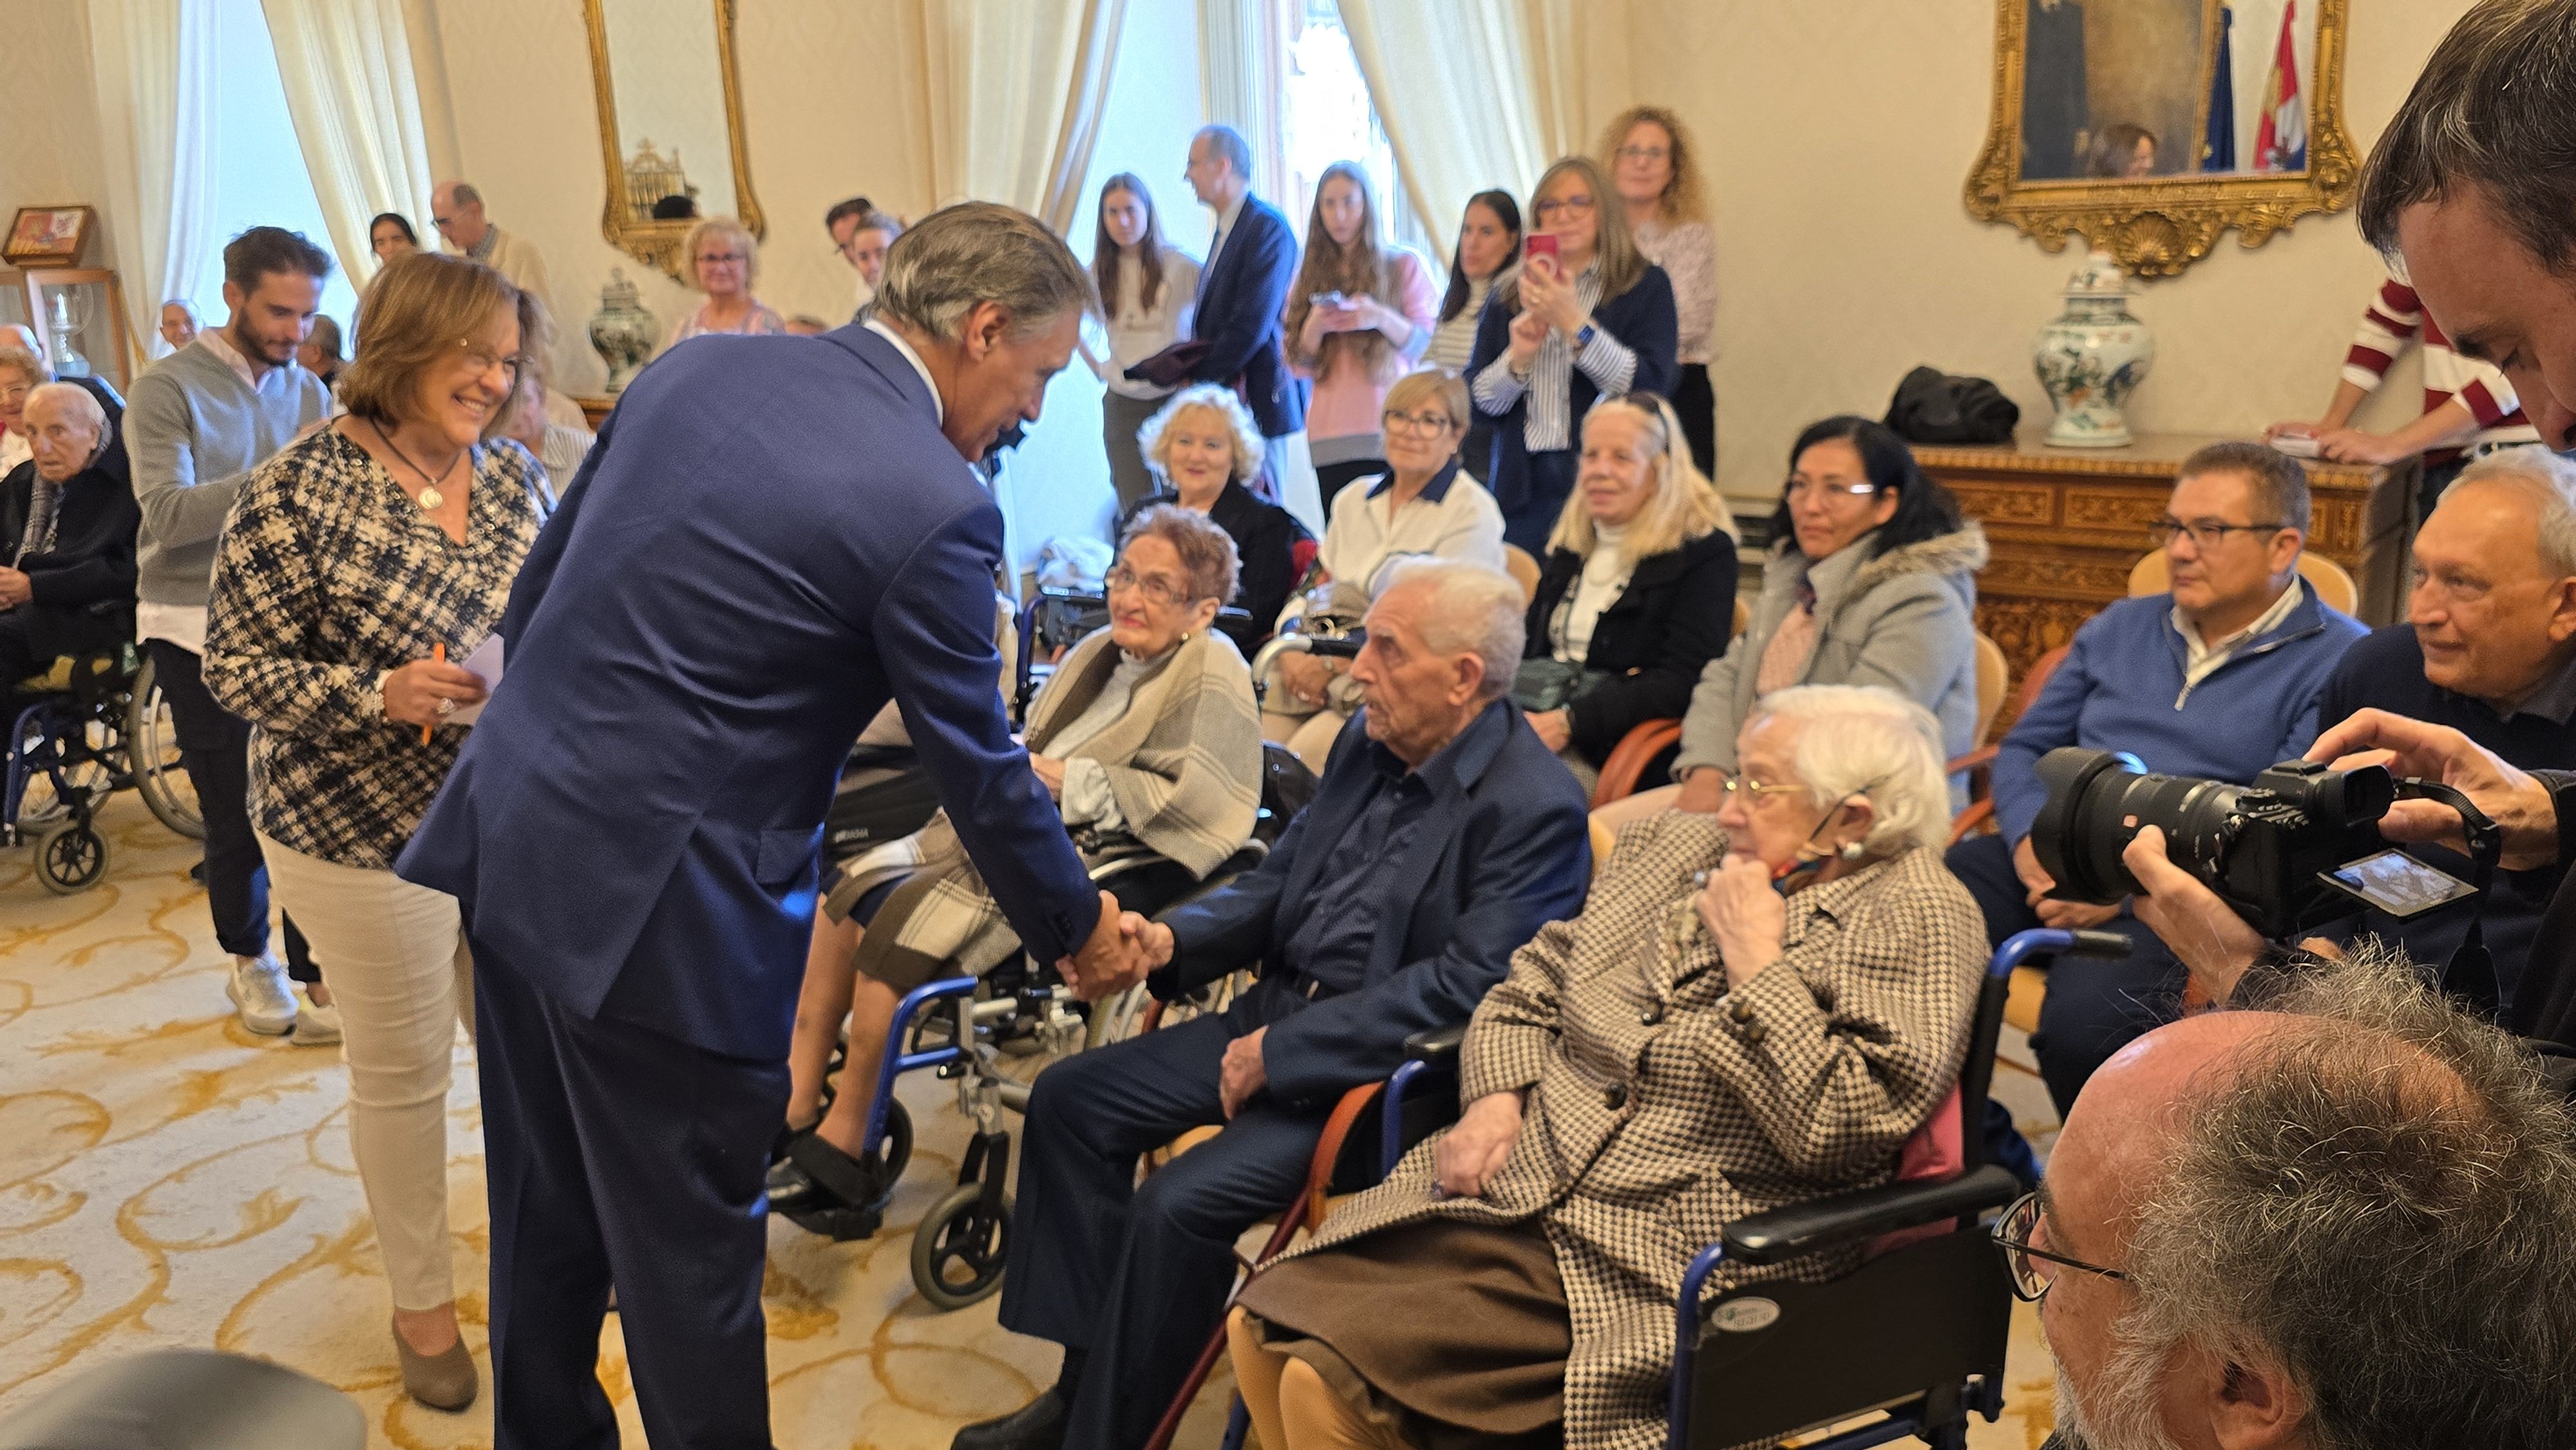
{"x":167,"y":1178}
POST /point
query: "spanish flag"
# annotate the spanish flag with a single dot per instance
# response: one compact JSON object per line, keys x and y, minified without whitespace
{"x":2281,"y":142}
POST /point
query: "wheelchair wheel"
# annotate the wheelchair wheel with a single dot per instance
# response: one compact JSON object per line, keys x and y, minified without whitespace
{"x":71,"y":856}
{"x":958,"y":1251}
{"x":152,"y":757}
{"x":897,"y":1148}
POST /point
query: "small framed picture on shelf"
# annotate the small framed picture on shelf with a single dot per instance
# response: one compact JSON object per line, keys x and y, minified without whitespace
{"x":48,"y":236}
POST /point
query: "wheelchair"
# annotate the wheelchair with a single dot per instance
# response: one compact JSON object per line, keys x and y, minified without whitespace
{"x":96,"y":725}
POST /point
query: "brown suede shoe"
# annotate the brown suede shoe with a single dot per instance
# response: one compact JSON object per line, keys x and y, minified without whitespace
{"x":443,"y":1381}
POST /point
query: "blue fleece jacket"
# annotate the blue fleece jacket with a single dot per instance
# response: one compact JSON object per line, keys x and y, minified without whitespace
{"x":2121,"y":688}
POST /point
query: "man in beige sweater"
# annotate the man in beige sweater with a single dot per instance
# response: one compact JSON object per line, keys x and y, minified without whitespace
{"x":457,"y":208}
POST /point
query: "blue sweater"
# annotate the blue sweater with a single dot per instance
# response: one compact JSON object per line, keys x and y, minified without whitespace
{"x":2121,"y":688}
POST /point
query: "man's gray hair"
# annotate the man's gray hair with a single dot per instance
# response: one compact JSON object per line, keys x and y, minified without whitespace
{"x":2375,"y":1201}
{"x":1228,"y":142}
{"x":1869,"y":741}
{"x":2494,"y":110}
{"x":2549,"y":481}
{"x":1472,"y":609}
{"x":463,"y":193}
{"x":75,"y":397}
{"x":980,"y":251}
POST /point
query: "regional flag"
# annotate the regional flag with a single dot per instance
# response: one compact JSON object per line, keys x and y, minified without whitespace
{"x":2281,"y":142}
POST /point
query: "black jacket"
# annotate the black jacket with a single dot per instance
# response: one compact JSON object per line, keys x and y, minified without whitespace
{"x":1674,"y":617}
{"x":82,"y":589}
{"x":1265,"y":541}
{"x":1239,"y":317}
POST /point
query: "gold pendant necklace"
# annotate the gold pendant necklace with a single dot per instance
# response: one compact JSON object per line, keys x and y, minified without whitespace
{"x":429,"y":498}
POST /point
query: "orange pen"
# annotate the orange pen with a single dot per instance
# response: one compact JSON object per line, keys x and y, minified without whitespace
{"x":438,"y":652}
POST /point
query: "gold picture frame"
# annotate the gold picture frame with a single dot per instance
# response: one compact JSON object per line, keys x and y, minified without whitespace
{"x":656,"y":241}
{"x":2157,"y":227}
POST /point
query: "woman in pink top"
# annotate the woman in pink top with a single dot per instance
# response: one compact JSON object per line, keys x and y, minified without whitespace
{"x":1359,"y":315}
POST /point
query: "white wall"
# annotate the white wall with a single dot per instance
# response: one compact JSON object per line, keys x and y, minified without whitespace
{"x":1838,"y":134}
{"x":49,"y":153}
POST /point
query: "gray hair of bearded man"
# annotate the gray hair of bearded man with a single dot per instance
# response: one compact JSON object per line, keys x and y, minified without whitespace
{"x":2374,"y":1201}
{"x":980,"y":251}
{"x":1868,"y":741}
{"x":1472,"y":609}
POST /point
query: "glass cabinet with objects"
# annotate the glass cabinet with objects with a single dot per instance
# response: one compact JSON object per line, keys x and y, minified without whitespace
{"x":79,"y":312}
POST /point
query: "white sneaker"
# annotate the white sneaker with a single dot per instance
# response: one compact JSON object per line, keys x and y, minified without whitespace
{"x":315,"y":1024}
{"x":258,"y":988}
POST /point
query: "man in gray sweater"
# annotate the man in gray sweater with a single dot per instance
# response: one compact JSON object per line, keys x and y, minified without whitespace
{"x":198,"y":423}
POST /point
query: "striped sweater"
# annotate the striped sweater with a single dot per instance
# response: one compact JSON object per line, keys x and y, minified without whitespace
{"x":2395,"y":318}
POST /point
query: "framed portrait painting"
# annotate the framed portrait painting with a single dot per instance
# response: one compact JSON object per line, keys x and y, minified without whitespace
{"x":48,"y":236}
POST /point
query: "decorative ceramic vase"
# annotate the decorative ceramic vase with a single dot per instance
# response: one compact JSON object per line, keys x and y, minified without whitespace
{"x":2092,"y":357}
{"x":622,"y":331}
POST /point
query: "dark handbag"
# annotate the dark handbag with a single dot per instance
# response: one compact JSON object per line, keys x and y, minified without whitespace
{"x":1545,"y":684}
{"x":1172,"y":366}
{"x":1931,"y":406}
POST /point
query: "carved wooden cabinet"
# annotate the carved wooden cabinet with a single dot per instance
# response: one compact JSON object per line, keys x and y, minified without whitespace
{"x":2065,"y":526}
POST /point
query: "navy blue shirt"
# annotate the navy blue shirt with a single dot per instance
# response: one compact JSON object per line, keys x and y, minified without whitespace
{"x":1329,"y":950}
{"x":2385,"y":671}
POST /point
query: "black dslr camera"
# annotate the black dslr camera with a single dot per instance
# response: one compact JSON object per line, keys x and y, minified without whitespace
{"x":2298,"y":847}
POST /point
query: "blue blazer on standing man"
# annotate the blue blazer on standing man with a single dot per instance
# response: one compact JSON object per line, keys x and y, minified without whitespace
{"x":1241,"y":303}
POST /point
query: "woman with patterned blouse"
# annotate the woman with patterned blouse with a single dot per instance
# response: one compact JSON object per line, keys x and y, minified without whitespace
{"x":1649,"y":156}
{"x":360,"y":565}
{"x":1755,"y":1009}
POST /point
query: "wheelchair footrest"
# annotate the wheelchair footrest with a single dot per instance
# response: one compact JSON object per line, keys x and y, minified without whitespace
{"x":838,"y":1223}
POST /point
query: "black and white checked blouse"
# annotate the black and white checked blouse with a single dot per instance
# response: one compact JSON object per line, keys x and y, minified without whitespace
{"x":327,"y":576}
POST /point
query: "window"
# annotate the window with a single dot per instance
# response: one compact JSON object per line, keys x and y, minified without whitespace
{"x":256,"y":174}
{"x":1328,"y":116}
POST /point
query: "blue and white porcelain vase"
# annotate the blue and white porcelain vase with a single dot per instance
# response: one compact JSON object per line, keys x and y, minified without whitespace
{"x":2092,"y":357}
{"x":622,"y":331}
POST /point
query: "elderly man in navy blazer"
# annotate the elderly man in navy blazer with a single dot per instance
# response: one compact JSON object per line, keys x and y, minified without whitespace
{"x":1444,"y":835}
{"x":772,"y":536}
{"x":1243,"y":291}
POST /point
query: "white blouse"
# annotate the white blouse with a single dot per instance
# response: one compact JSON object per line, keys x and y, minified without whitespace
{"x":1605,"y":578}
{"x":1138,"y":332}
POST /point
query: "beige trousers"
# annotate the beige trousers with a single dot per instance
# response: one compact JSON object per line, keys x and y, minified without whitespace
{"x":1291,"y":1406}
{"x":394,"y":956}
{"x":1308,"y":737}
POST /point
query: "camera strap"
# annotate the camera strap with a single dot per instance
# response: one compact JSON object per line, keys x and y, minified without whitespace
{"x":2470,"y":974}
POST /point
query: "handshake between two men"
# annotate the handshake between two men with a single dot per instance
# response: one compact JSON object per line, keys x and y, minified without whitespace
{"x":1123,"y":949}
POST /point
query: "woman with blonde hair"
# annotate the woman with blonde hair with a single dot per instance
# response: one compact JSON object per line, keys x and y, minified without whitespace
{"x":1638,"y":592}
{"x":1205,"y":447}
{"x":1586,"y":318}
{"x":362,"y":562}
{"x":1653,"y":162}
{"x":724,"y":261}
{"x":1359,"y":314}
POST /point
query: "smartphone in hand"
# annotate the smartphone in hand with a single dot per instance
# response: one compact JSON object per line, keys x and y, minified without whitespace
{"x":1541,"y":244}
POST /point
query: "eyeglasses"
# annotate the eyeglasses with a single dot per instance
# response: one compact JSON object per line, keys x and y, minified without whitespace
{"x":1798,"y":488}
{"x":483,"y":360}
{"x":2204,"y":535}
{"x":1431,"y":423}
{"x":2012,"y":1235}
{"x":1736,"y":783}
{"x":1563,"y":205}
{"x":1642,"y":153}
{"x":1157,"y":588}
{"x":708,"y":259}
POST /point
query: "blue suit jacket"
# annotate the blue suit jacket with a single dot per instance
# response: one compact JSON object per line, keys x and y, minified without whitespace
{"x":1642,"y":317}
{"x":1238,"y":317}
{"x":1504,"y":850}
{"x":770,"y":538}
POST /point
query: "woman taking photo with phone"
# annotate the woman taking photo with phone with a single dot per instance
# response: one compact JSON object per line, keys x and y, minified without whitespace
{"x":1146,"y":288}
{"x":1583,"y":315}
{"x":1359,"y":314}
{"x":1652,"y":162}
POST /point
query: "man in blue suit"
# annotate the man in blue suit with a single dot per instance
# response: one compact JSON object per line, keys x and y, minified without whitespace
{"x":1443,"y":836}
{"x":772,"y":536}
{"x":1243,"y":291}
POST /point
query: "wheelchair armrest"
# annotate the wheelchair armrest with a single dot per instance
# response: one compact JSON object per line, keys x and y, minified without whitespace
{"x":1437,"y":1046}
{"x":1803,"y":1228}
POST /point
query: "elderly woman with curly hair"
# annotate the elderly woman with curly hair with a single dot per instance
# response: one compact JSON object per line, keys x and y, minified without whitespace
{"x":1203,"y":445}
{"x":1147,"y":737}
{"x":1754,"y":1009}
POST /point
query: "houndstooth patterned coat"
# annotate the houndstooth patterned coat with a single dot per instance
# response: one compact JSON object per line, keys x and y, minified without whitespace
{"x":1662,"y":1107}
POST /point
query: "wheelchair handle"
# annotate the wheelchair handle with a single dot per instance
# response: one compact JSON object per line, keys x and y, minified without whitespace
{"x":2049,"y":941}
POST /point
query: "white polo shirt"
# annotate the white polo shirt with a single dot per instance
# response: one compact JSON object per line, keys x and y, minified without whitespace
{"x":1452,"y":518}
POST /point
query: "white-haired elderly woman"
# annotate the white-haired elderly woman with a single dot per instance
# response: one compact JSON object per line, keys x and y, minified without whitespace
{"x":1754,"y":1009}
{"x":1202,"y":447}
{"x":724,"y":260}
{"x":1148,"y":739}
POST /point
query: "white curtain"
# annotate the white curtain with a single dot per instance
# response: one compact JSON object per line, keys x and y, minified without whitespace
{"x":152,"y":64}
{"x":1243,"y":83}
{"x":1483,"y":93}
{"x":1016,"y":96}
{"x":347,"y":65}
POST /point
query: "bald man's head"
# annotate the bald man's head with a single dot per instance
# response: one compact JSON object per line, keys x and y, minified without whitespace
{"x":2341,"y":1221}
{"x":456,"y":209}
{"x":65,"y":428}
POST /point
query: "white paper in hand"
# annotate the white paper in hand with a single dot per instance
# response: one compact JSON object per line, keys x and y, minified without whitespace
{"x":485,"y":665}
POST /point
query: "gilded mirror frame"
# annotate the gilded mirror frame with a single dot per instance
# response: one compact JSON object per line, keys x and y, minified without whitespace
{"x":2156,"y":228}
{"x":658,"y":243}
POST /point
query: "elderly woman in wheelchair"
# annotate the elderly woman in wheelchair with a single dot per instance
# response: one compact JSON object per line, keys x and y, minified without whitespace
{"x":1148,"y":736}
{"x":1754,"y":1009}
